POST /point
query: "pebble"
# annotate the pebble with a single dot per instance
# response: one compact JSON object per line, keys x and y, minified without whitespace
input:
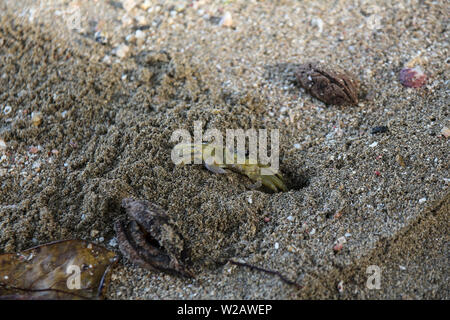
{"x":36,"y":118}
{"x":445,"y":132}
{"x":100,"y":37}
{"x":412,"y":77}
{"x":402,"y":268}
{"x":339,"y":244}
{"x":128,"y":5}
{"x":122,"y":50}
{"x":140,"y":34}
{"x":373,"y":145}
{"x":113,"y":242}
{"x":2,"y":144}
{"x":7,"y":110}
{"x":297,"y":146}
{"x":400,"y":160}
{"x":227,"y":20}
{"x":33,"y":150}
{"x":379,"y":129}
{"x":312,"y":232}
{"x":94,"y":233}
{"x":290,"y":218}
{"x":318,"y":23}
{"x":422,"y":200}
{"x":145,"y":5}
{"x":340,"y":286}
{"x":277,"y":245}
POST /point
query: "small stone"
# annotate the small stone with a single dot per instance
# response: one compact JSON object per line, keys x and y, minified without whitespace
{"x":412,"y":77}
{"x":402,"y":268}
{"x":36,"y":118}
{"x":339,"y":244}
{"x":94,"y":233}
{"x":341,"y":240}
{"x":277,"y":245}
{"x":373,"y":145}
{"x":2,"y":144}
{"x":312,"y":232}
{"x":101,"y":38}
{"x":340,"y":286}
{"x":128,"y":5}
{"x":291,"y":249}
{"x":140,"y":34}
{"x":297,"y":146}
{"x":106,"y":59}
{"x":7,"y":110}
{"x":290,"y":218}
{"x":400,"y":160}
{"x":422,"y":200}
{"x":266,"y":219}
{"x":338,"y":247}
{"x":227,"y":20}
{"x":145,"y":5}
{"x":33,"y":150}
{"x":445,"y":132}
{"x":141,"y":20}
{"x":318,"y":23}
{"x":379,"y":129}
{"x":122,"y":51}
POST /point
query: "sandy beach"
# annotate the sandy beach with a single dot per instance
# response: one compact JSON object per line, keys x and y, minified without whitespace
{"x":91,"y":92}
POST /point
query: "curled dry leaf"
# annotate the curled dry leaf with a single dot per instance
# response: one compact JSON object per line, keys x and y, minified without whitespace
{"x":69,"y":269}
{"x":149,"y":239}
{"x":331,"y":87}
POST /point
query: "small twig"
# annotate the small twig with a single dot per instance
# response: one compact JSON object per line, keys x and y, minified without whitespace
{"x":273,"y":272}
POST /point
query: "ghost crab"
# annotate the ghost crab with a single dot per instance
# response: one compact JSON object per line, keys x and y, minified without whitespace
{"x":261,"y":175}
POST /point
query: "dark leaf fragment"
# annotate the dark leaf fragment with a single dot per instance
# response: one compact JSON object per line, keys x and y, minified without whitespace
{"x":69,"y":269}
{"x":331,"y":87}
{"x":149,"y":239}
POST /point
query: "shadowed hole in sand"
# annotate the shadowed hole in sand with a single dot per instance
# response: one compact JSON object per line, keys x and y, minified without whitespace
{"x":295,"y":180}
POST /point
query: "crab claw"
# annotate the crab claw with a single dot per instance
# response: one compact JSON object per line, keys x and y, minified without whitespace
{"x":274,"y":182}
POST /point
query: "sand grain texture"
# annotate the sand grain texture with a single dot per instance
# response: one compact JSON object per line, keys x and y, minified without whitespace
{"x":107,"y":118}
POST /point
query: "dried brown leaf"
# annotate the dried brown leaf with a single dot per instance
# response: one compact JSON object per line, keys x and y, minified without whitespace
{"x":68,"y":269}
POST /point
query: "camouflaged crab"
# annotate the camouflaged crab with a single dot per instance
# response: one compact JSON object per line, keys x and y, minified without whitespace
{"x":262,"y":175}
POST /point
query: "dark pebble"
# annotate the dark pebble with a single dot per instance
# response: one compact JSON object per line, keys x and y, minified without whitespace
{"x":380,"y":129}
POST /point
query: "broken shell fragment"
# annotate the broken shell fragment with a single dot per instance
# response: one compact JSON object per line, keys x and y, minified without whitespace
{"x":412,"y":77}
{"x":36,"y":118}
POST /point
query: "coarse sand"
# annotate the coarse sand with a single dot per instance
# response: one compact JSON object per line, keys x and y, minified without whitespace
{"x":91,"y":92}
